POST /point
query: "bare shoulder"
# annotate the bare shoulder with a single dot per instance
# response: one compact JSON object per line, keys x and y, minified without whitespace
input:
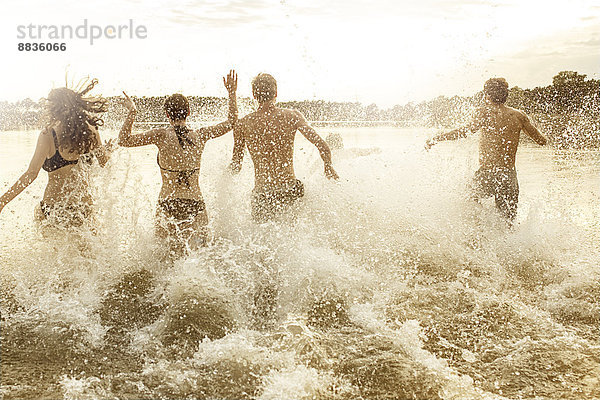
{"x":46,"y":135}
{"x":246,"y":120}
{"x":480,"y":112}
{"x":292,"y":112}
{"x":158,"y":131}
{"x":516,"y":112}
{"x":520,"y":115}
{"x":45,"y":132}
{"x":293,"y":116}
{"x":156,"y":136}
{"x":56,"y":127}
{"x":45,"y":142}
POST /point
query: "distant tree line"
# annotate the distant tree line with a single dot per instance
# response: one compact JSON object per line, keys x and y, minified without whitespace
{"x":568,"y":110}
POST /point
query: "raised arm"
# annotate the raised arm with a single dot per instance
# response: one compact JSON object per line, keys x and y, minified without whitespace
{"x":102,"y":151}
{"x":455,"y":134}
{"x":126,"y":139}
{"x":39,"y":156}
{"x":211,"y":132}
{"x":239,"y":145}
{"x":531,"y":130}
{"x":309,"y":133}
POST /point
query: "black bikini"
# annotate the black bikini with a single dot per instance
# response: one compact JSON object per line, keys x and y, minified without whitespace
{"x":183,"y":177}
{"x":181,"y":209}
{"x":56,"y":161}
{"x":73,"y":215}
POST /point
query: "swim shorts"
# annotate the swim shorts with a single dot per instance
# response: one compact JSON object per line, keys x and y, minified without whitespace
{"x":267,"y":205}
{"x":501,"y":183}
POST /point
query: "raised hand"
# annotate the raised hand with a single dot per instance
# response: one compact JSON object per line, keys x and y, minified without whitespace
{"x":230,"y":82}
{"x":110,"y":145}
{"x":330,"y":172}
{"x":129,"y":104}
{"x":430,"y":143}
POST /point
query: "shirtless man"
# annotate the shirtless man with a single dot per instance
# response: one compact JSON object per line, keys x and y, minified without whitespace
{"x":269,"y":135}
{"x":500,"y":128}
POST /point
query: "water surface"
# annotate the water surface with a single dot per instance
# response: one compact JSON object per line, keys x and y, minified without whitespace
{"x":389,"y":284}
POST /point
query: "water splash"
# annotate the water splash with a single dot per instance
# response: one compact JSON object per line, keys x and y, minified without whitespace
{"x":389,"y":284}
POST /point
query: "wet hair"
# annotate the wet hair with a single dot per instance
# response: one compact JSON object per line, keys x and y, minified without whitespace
{"x":76,"y":114}
{"x":496,"y":89}
{"x":177,"y":108}
{"x":264,"y":87}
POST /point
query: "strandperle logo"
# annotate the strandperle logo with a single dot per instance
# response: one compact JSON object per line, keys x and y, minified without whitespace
{"x":83,"y":31}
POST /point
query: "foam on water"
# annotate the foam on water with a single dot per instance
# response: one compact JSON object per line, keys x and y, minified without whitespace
{"x":388,"y":284}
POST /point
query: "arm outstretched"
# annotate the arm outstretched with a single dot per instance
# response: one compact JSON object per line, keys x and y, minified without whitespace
{"x":211,"y":132}
{"x":532,"y":131}
{"x":309,"y":133}
{"x":239,"y":145}
{"x":126,"y":139}
{"x":455,"y":134}
{"x":39,"y":156}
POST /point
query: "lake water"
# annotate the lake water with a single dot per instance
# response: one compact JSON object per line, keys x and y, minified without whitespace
{"x":389,"y":284}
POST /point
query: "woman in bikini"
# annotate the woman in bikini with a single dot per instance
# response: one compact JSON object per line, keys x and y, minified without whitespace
{"x":181,"y":216}
{"x":69,"y":138}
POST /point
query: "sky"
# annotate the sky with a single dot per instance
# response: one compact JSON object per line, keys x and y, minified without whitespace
{"x":385,"y":52}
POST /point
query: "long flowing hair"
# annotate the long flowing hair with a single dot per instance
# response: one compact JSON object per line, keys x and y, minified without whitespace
{"x":77,"y":114}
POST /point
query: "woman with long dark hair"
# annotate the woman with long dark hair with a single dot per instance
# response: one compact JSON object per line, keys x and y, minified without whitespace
{"x":181,"y":216}
{"x":69,"y":138}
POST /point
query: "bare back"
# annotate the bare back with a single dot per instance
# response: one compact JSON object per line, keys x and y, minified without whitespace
{"x":269,"y":135}
{"x":174,"y":161}
{"x":67,"y":184}
{"x":501,"y":128}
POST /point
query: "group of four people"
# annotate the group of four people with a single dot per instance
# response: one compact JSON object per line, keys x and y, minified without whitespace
{"x":72,"y":135}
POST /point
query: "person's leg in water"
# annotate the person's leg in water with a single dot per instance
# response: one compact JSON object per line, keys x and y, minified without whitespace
{"x":182,"y":224}
{"x":166,"y":232}
{"x":483,"y":184}
{"x":503,"y":185}
{"x":76,"y":220}
{"x":196,"y":232}
{"x":266,"y":207}
{"x":506,"y":194}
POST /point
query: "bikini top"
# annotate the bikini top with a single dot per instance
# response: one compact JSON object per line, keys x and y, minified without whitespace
{"x":56,"y":161}
{"x":183,"y":176}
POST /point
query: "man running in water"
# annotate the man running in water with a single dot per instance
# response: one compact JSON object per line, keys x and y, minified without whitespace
{"x":269,"y":135}
{"x":500,"y":127}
